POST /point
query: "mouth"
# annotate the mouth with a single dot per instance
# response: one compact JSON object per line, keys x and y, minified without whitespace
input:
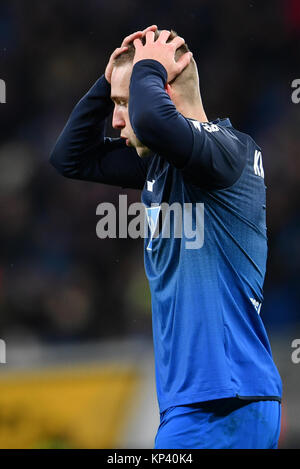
{"x":126,"y":140}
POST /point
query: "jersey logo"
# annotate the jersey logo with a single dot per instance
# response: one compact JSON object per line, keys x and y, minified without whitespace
{"x":210,"y":127}
{"x":256,"y":304}
{"x":258,"y":166}
{"x":206,"y":126}
{"x":152,"y":218}
{"x":150,"y":185}
{"x":196,"y":124}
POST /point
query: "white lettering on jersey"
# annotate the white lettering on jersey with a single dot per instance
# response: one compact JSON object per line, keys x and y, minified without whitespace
{"x":150,"y":185}
{"x":258,"y":166}
{"x":206,"y":126}
{"x":256,"y":304}
{"x":152,"y":218}
{"x":210,"y":127}
{"x":196,"y":124}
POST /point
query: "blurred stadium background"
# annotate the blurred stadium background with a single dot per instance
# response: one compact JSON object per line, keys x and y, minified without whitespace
{"x":75,"y":310}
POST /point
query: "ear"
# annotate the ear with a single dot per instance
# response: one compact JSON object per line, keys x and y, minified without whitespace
{"x":169,"y":90}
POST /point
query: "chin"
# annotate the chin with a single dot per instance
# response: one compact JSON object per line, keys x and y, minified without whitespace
{"x":143,"y":151}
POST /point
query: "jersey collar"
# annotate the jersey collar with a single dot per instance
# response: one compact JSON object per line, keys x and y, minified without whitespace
{"x":225,"y":122}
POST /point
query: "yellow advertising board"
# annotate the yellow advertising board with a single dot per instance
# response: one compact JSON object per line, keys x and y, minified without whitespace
{"x":82,"y":407}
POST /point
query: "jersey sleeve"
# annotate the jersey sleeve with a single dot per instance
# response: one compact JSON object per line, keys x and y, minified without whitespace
{"x":209,"y":155}
{"x":218,"y":156}
{"x":83,"y":152}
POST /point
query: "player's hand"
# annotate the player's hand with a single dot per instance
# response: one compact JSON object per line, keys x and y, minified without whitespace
{"x":163,"y":52}
{"x":123,"y":48}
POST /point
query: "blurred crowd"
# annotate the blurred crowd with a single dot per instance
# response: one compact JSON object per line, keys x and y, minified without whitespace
{"x":58,"y":281}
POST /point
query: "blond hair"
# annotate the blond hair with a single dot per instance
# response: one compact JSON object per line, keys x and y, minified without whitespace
{"x":186,"y":84}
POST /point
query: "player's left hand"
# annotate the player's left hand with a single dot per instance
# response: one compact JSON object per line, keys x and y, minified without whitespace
{"x":163,"y":52}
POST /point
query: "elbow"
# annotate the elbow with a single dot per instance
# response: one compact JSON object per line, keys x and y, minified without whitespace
{"x":141,"y":124}
{"x":54,"y":160}
{"x":57,"y":160}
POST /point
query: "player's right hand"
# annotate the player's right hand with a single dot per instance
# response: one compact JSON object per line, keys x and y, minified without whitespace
{"x":123,"y":48}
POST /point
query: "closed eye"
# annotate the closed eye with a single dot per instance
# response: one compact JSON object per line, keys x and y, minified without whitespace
{"x":119,"y":101}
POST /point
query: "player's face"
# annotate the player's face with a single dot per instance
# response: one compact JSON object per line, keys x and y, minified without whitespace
{"x":120,"y":80}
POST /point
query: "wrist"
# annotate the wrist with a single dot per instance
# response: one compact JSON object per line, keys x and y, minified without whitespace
{"x":151,"y":66}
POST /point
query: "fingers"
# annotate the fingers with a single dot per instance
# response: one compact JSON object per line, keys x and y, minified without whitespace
{"x":114,"y":55}
{"x":131,"y":38}
{"x":138,"y":34}
{"x":119,"y":51}
{"x":184,"y":61}
{"x":164,"y":36}
{"x":150,"y":28}
{"x":137,"y":44}
{"x":177,"y":42}
{"x":149,"y":37}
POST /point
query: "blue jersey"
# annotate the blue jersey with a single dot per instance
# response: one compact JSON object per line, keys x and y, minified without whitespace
{"x":209,"y":339}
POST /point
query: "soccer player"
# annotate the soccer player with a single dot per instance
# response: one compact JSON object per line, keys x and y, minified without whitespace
{"x":217,"y":384}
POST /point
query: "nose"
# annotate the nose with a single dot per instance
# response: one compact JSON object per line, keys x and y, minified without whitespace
{"x":118,"y":121}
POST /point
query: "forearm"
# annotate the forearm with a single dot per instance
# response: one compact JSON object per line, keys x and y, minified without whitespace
{"x":84,"y":129}
{"x":154,"y":118}
{"x":211,"y":157}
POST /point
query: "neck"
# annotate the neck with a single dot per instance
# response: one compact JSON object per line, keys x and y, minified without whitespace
{"x":195,"y":111}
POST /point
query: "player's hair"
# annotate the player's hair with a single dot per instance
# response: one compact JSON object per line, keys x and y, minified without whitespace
{"x":187,"y":83}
